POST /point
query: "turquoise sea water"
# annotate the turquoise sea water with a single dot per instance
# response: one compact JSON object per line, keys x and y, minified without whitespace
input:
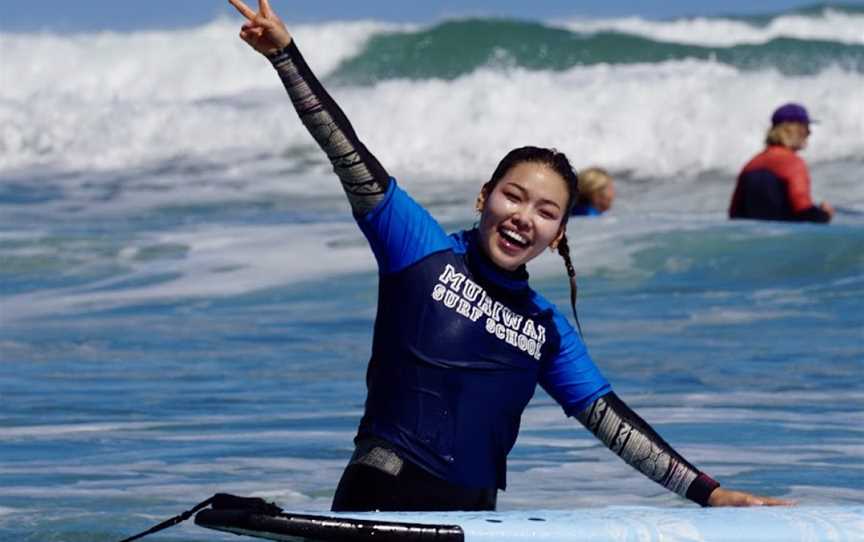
{"x":454,"y":48}
{"x":186,"y":306}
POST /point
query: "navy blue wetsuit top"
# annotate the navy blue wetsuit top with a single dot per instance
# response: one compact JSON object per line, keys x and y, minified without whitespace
{"x":460,"y":344}
{"x":459,"y":348}
{"x":585,"y":209}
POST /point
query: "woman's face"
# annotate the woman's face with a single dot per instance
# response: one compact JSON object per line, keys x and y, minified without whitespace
{"x":802,"y":132}
{"x":522,"y":215}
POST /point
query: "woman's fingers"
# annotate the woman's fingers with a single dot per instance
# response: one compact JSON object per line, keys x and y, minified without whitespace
{"x":254,"y":25}
{"x":257,"y":26}
{"x":264,"y":8}
{"x":725,"y":497}
{"x":253,"y":33}
{"x":244,"y":10}
{"x":771,"y":501}
{"x":263,"y":30}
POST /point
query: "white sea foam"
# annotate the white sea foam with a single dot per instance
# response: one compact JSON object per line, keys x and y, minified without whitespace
{"x":121,"y":125}
{"x":265,"y":436}
{"x":223,"y":260}
{"x":220,"y":261}
{"x":53,"y":431}
{"x":829,"y":25}
{"x":739,"y":315}
{"x":115,"y":101}
{"x":176,"y":65}
{"x":155,"y":427}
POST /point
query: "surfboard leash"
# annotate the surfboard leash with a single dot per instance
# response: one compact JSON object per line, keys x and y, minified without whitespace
{"x":219,"y":500}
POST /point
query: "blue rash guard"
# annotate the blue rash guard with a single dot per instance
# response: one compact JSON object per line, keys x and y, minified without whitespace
{"x":459,"y":347}
{"x":585,"y":209}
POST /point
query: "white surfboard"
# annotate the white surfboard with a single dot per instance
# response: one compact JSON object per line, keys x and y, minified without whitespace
{"x":611,"y":524}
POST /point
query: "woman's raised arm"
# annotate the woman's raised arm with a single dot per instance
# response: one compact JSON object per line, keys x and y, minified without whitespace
{"x":363,"y":178}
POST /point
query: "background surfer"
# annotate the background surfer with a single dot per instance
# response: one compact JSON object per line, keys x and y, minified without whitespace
{"x":775,"y":184}
{"x":443,"y":406}
{"x":596,"y":192}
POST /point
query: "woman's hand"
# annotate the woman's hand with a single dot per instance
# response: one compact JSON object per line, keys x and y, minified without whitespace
{"x":264,"y":30}
{"x":727,"y":497}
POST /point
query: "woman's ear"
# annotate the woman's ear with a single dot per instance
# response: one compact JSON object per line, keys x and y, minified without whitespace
{"x":561,"y":231}
{"x":481,"y":200}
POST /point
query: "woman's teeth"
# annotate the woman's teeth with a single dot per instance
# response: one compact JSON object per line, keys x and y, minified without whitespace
{"x":514,"y":237}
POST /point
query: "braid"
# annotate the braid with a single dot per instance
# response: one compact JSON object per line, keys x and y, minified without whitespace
{"x":564,"y":251}
{"x":559,"y":163}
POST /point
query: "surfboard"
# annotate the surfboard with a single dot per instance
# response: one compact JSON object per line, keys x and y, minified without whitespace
{"x":611,"y":524}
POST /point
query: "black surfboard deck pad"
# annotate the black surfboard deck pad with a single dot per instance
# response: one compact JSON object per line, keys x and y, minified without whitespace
{"x":308,"y":528}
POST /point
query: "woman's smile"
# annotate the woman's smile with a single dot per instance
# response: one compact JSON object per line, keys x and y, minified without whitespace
{"x":522,"y":214}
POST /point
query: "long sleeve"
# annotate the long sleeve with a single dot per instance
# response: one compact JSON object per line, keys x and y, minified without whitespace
{"x":803,"y":209}
{"x":629,"y":436}
{"x":363,"y":178}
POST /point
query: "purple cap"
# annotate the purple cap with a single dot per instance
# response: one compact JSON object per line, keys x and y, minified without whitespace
{"x":790,"y":113}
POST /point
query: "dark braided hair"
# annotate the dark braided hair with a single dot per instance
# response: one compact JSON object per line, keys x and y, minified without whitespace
{"x":564,"y":251}
{"x":557,"y":162}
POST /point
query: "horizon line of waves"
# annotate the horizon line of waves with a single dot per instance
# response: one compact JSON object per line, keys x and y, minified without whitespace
{"x":440,"y":52}
{"x":822,"y":23}
{"x":828,"y":22}
{"x":134,"y":63}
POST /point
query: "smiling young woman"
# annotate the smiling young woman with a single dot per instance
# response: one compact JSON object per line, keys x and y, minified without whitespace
{"x":522,"y":213}
{"x":461,"y":340}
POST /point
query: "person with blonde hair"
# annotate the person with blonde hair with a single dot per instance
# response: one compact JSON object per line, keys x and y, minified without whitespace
{"x":596,"y":192}
{"x":775,"y":184}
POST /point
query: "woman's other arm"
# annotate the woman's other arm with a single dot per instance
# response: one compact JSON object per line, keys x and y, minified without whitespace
{"x":629,"y":436}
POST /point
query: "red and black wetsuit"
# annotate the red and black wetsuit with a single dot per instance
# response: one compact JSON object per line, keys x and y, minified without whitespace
{"x":775,"y":185}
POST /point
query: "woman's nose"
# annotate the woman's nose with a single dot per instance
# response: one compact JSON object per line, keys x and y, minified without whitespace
{"x":520,"y":219}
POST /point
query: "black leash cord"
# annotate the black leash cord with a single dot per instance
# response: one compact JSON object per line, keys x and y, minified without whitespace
{"x":173,"y":521}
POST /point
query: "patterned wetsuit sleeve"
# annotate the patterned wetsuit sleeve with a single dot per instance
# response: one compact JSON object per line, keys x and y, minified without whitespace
{"x":364,"y":179}
{"x":629,"y":436}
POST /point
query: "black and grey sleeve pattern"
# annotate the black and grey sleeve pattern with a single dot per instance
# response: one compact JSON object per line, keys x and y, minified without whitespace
{"x":364,"y":179}
{"x":629,"y":436}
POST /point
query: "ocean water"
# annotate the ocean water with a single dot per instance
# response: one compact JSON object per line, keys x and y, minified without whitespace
{"x":186,"y":305}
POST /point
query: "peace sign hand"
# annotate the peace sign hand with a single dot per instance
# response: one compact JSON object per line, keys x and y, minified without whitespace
{"x":264,"y":30}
